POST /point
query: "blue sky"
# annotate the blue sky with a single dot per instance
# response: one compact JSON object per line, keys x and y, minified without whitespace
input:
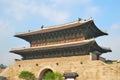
{"x":23,"y":15}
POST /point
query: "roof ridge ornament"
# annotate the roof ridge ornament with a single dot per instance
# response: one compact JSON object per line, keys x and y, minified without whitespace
{"x":91,"y":18}
{"x":79,"y":19}
{"x":42,"y":26}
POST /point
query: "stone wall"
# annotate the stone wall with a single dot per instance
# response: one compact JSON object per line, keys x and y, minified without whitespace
{"x":86,"y":68}
{"x":93,"y":56}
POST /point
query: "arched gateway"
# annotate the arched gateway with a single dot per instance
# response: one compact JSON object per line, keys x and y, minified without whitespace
{"x":42,"y":74}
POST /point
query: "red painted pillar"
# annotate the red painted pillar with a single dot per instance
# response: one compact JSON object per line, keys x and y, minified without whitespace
{"x":98,"y":57}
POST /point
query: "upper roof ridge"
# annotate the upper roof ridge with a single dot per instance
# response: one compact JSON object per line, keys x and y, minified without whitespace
{"x":56,"y":27}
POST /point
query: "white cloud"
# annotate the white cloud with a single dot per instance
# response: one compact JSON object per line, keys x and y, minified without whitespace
{"x":86,"y":6}
{"x":50,"y":10}
{"x":53,"y":14}
{"x":17,"y":9}
{"x":5,"y":29}
{"x":8,"y":58}
{"x":115,"y":27}
{"x":20,"y":9}
{"x":113,"y":41}
{"x":69,"y":2}
{"x":92,"y":11}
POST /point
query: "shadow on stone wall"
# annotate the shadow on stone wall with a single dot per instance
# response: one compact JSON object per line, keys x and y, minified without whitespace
{"x":3,"y":78}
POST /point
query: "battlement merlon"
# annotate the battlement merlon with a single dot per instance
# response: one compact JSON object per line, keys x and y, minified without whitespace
{"x":87,"y":28}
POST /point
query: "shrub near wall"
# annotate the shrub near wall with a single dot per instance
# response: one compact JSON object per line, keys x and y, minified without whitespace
{"x":53,"y":76}
{"x":27,"y":75}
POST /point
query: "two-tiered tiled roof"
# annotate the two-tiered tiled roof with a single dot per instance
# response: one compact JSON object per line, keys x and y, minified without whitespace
{"x":86,"y":24}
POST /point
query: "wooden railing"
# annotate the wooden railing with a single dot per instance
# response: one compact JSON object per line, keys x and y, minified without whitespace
{"x":57,"y":42}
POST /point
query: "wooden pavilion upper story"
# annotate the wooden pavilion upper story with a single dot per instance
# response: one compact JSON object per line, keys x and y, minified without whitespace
{"x":71,"y":39}
{"x":65,"y":33}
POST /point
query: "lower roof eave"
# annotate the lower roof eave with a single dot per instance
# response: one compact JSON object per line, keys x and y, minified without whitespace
{"x":56,"y":46}
{"x":94,"y":47}
{"x":100,"y":49}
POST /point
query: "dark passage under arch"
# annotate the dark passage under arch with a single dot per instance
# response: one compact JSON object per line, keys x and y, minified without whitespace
{"x":42,"y":74}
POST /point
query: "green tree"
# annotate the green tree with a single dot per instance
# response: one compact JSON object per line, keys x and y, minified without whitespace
{"x":2,"y":66}
{"x":49,"y":76}
{"x":58,"y":76}
{"x":53,"y":76}
{"x":26,"y":75}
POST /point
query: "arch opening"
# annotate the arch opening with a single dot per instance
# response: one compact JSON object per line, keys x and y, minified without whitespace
{"x":43,"y":73}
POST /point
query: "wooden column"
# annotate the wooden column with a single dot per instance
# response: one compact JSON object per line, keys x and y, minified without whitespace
{"x":98,"y":57}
